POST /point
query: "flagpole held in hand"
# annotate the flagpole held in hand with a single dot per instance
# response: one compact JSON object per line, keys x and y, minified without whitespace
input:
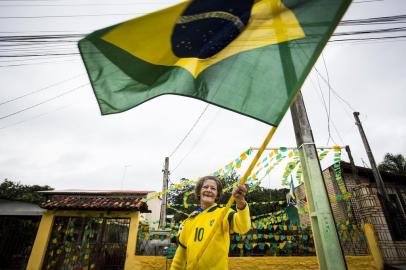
{"x":231,"y":200}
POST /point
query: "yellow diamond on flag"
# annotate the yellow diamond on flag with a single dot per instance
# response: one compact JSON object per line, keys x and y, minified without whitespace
{"x":271,"y":23}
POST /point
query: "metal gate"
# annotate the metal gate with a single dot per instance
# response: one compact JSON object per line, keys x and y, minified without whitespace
{"x":87,"y":243}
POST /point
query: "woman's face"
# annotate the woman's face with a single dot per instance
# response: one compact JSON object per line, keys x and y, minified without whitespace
{"x":208,"y":193}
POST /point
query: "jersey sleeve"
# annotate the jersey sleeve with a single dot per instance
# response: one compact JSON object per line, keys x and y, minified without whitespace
{"x":183,"y":234}
{"x":179,"y":260}
{"x":240,"y":221}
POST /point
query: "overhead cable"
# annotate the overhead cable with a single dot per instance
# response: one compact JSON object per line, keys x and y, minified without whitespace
{"x":45,"y":101}
{"x":190,"y":130}
{"x":41,"y":89}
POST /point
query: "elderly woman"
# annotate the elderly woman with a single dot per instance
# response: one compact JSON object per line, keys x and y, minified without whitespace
{"x":197,"y":227}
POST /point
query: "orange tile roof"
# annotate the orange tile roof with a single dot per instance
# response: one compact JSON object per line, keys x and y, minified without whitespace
{"x":96,"y":202}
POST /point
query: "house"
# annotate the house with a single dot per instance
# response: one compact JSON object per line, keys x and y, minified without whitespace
{"x":19,"y":223}
{"x":355,"y":200}
{"x":88,"y":229}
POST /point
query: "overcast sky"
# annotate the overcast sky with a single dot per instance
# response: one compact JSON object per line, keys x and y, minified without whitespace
{"x":67,"y":144}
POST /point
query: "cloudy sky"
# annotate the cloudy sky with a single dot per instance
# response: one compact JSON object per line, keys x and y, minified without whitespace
{"x":52,"y":133}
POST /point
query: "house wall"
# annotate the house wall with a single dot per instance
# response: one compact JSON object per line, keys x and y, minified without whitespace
{"x":154,"y":206}
{"x":338,"y":208}
{"x":370,"y":211}
{"x":300,"y":192}
{"x":260,"y":263}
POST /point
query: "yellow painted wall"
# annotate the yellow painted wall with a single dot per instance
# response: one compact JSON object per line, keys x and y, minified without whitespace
{"x":148,"y":263}
{"x":259,"y":263}
{"x":373,"y":245}
{"x":132,"y":240}
{"x":41,"y":242}
{"x":134,"y":262}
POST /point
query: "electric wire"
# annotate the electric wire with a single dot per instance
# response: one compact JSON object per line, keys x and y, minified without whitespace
{"x":329,"y":99}
{"x":72,"y":16}
{"x":322,"y":96}
{"x":45,"y":101}
{"x":323,"y":101}
{"x":366,"y":1}
{"x":334,"y":91}
{"x":33,"y":117}
{"x":190,"y":130}
{"x":38,"y":63}
{"x":78,"y":5}
{"x":205,"y":129}
{"x":324,"y":105}
{"x":325,"y":80}
{"x":41,"y":89}
{"x":16,"y":46}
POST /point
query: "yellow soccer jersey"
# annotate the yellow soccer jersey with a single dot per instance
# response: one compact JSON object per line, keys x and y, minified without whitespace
{"x":197,"y":228}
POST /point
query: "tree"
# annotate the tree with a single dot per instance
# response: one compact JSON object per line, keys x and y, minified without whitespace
{"x":256,"y":194}
{"x":10,"y":190}
{"x":393,"y":164}
{"x":273,"y":230}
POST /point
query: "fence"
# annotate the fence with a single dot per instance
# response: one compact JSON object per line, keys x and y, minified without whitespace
{"x":87,"y":243}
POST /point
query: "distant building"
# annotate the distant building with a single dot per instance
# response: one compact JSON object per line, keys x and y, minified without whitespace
{"x":364,"y":206}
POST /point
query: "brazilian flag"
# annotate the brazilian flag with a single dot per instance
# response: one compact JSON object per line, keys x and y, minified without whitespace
{"x":248,"y":56}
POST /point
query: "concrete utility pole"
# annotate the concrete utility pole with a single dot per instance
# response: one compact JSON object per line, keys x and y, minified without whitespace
{"x":375,"y":171}
{"x":387,"y":207}
{"x":162,"y":218}
{"x":328,"y":248}
{"x":353,"y":167}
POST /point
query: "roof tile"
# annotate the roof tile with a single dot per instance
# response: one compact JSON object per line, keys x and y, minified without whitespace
{"x":74,"y":202}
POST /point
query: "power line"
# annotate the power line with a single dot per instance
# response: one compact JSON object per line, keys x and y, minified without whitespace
{"x":323,"y":101}
{"x":53,"y":1}
{"x":325,"y":80}
{"x":370,"y":38}
{"x":190,"y":130}
{"x":366,"y":1}
{"x":72,"y":16}
{"x":205,"y":129}
{"x":45,"y":57}
{"x":39,"y":63}
{"x":333,"y":91}
{"x":32,"y":118}
{"x":38,"y":55}
{"x":78,"y":5}
{"x":329,"y":99}
{"x":45,"y":101}
{"x":40,"y":90}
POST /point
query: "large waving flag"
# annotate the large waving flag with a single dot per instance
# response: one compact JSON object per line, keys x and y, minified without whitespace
{"x":248,"y":56}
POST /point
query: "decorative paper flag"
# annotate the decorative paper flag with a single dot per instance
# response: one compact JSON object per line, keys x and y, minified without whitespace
{"x":247,"y":56}
{"x":292,"y":189}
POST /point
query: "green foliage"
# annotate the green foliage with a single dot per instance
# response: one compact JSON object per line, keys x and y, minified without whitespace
{"x":255,"y":194}
{"x":10,"y":190}
{"x":393,"y":164}
{"x":275,"y":225}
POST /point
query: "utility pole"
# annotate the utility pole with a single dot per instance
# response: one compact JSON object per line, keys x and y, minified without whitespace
{"x":353,"y":167}
{"x":162,"y":218}
{"x":387,"y":207}
{"x":328,"y":248}
{"x":375,"y":171}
